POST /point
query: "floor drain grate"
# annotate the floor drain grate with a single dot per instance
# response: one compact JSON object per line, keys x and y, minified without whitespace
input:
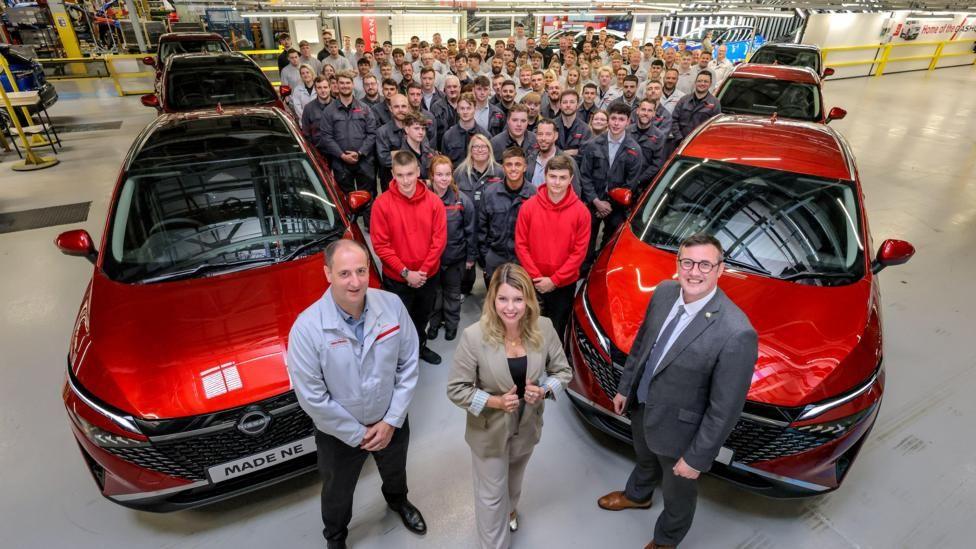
{"x":90,"y":127}
{"x":44,"y":217}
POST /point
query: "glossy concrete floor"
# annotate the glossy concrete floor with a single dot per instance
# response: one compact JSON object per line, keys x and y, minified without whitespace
{"x":914,"y":484}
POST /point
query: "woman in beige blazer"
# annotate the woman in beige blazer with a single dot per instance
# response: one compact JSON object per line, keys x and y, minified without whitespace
{"x":505,"y":366}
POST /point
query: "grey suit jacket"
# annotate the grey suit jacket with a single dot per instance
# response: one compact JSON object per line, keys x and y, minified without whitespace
{"x":700,"y":387}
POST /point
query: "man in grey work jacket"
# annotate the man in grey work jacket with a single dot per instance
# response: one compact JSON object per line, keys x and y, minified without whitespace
{"x":352,"y":358}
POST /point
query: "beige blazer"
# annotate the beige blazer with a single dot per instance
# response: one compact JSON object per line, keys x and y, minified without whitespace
{"x":481,"y":367}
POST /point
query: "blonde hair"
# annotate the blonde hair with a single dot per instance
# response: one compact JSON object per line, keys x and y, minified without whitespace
{"x":467,"y":164}
{"x":491,"y":325}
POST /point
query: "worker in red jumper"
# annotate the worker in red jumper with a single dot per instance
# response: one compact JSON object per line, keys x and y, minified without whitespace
{"x":409,"y":232}
{"x":552,"y":236}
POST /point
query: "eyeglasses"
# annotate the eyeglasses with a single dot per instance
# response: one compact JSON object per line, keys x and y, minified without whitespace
{"x":704,"y":267}
{"x":479,"y":147}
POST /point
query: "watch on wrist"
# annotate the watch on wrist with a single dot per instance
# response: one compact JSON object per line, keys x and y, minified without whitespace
{"x":404,"y":272}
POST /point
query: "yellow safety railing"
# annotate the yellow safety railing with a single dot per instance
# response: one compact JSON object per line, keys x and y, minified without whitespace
{"x":882,"y":54}
{"x":117,"y":76}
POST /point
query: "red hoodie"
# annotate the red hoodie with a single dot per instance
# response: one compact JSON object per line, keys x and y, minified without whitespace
{"x":552,"y":239}
{"x":408,"y":232}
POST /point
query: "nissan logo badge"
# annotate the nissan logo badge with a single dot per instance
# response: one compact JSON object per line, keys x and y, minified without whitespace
{"x":254,"y":423}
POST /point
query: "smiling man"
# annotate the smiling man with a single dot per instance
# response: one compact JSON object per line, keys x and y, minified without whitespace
{"x":685,"y":383}
{"x":409,"y":233}
{"x":552,"y":235}
{"x":355,"y":341}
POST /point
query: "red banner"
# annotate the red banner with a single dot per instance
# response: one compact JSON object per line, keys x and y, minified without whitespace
{"x":368,"y":25}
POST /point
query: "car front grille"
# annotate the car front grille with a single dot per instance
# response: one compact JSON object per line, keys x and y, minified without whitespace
{"x":188,"y":456}
{"x":752,"y":440}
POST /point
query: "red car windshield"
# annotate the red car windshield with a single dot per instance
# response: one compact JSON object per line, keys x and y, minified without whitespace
{"x":792,"y":57}
{"x":174,"y":47}
{"x":191,"y":88}
{"x":780,"y":224}
{"x":208,"y":214}
{"x":765,"y":97}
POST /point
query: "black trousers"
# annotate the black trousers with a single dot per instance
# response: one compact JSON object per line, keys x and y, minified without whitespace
{"x":447,"y":304}
{"x":610,"y":223}
{"x":355,"y":177}
{"x":339,"y":467}
{"x":418,"y":301}
{"x":680,"y":494}
{"x":557,"y":305}
{"x":467,"y":279}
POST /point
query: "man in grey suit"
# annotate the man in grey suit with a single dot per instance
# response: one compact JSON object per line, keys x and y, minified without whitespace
{"x":685,"y":383}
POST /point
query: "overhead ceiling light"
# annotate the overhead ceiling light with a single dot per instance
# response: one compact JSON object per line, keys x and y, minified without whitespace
{"x":270,"y":14}
{"x":501,"y":14}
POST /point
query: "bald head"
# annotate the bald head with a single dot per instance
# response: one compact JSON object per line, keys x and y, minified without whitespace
{"x":344,"y":246}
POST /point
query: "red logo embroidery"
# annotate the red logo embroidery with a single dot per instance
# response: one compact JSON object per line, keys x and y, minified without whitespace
{"x":357,"y":110}
{"x":632,"y":152}
{"x":388,"y":333}
{"x":338,"y":342}
{"x":577,"y":136}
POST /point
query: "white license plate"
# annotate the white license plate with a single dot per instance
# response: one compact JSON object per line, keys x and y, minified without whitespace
{"x":724,"y":456}
{"x":263,"y":460}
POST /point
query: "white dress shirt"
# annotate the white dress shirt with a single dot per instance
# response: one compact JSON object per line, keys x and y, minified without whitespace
{"x":691,"y":310}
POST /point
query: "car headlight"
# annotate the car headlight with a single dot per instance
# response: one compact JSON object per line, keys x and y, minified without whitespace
{"x":602,"y":340}
{"x":97,"y":435}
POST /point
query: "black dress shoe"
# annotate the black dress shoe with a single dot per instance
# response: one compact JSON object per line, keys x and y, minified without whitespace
{"x":411,"y":517}
{"x":429,"y":356}
{"x":450,"y":334}
{"x":432,"y":331}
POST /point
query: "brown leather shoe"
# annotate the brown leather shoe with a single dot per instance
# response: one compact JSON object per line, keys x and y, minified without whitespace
{"x":617,"y":501}
{"x":653,"y":545}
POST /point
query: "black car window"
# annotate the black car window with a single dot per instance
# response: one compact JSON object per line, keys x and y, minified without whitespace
{"x":166,"y":49}
{"x":216,"y":212}
{"x":765,"y":97}
{"x":190,"y":87}
{"x":781,"y":224}
{"x":791,"y":57}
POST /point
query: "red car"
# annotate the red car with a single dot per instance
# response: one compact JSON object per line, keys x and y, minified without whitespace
{"x":202,"y":81}
{"x":784,"y":199}
{"x":790,"y":92}
{"x":175,"y":43}
{"x":176,"y":389}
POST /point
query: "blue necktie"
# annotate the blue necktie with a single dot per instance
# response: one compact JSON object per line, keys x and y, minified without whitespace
{"x":657,"y":353}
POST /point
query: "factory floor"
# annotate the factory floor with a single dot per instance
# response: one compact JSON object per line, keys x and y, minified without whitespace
{"x":913,"y":484}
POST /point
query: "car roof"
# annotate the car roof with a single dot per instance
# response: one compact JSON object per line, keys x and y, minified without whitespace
{"x":791,"y":46}
{"x":776,"y":143}
{"x":789,"y":73}
{"x":201,"y":59}
{"x":174,"y":137}
{"x":180,"y":36}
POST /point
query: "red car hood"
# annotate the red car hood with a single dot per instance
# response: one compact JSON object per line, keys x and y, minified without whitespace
{"x":183,"y":348}
{"x":814,"y":342}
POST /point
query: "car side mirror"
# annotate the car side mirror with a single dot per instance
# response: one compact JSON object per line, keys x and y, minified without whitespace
{"x":149,"y":61}
{"x":358,"y":200}
{"x":829,"y":71}
{"x":892,"y":252}
{"x":150,"y":100}
{"x":622,"y":196}
{"x":78,"y":243}
{"x":285,"y":91}
{"x":836,"y":113}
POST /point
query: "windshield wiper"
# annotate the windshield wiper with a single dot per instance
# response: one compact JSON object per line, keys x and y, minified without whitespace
{"x":817,"y":276}
{"x":747,"y":267}
{"x":204,"y":267}
{"x":327,"y":236}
